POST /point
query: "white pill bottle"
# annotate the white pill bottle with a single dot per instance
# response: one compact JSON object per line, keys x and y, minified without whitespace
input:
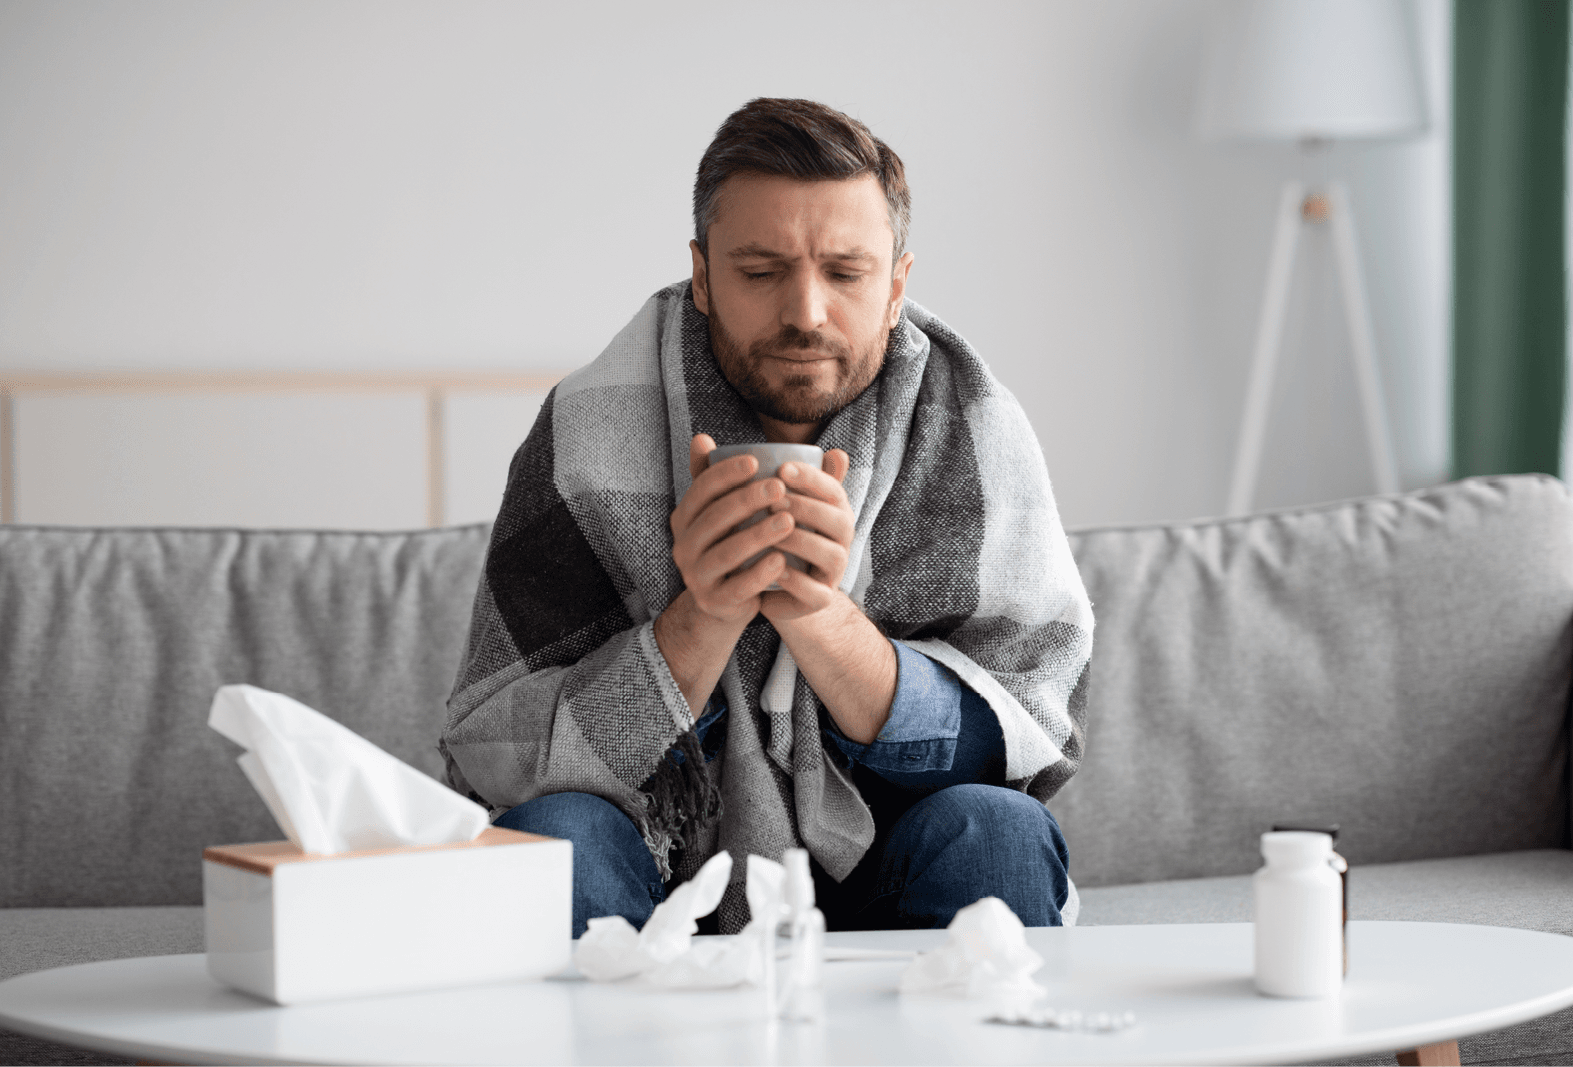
{"x":1299,"y":917}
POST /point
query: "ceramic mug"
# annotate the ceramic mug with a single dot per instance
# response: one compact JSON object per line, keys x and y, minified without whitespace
{"x":770,"y":457}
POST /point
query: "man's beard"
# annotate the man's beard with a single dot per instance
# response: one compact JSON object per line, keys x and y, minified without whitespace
{"x":797,"y":401}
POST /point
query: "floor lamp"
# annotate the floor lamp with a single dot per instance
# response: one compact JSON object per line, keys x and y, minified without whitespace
{"x":1310,"y":71}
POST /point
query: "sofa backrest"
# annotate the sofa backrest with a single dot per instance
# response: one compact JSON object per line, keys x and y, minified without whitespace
{"x":1397,"y":665}
{"x":112,"y":643}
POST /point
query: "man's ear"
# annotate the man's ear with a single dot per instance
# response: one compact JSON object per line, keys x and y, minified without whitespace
{"x":701,"y":279}
{"x":898,"y":290}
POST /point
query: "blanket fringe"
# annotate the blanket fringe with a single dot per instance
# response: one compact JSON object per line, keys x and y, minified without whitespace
{"x":681,"y":798}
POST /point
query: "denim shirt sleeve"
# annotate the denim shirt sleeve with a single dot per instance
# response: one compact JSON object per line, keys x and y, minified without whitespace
{"x":924,"y":724}
{"x":709,"y":728}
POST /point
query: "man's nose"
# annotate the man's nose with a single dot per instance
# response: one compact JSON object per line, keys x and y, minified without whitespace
{"x":806,"y":302}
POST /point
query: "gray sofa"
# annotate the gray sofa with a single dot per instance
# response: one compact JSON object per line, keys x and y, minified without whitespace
{"x":1398,"y":665}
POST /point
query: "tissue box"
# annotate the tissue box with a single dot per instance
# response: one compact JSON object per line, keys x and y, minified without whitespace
{"x":293,"y":926}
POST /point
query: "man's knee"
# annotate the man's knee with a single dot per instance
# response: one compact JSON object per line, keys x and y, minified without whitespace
{"x":613,"y":872}
{"x":972,"y":841}
{"x":602,"y":835}
{"x":569,"y":815}
{"x":987,"y":811}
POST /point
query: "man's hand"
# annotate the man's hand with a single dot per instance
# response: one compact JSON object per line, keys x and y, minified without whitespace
{"x":847,"y":661}
{"x":705,"y":548}
{"x":821,"y":536}
{"x":697,"y":631}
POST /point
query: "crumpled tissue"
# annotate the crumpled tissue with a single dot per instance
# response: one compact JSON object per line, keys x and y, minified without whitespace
{"x":664,"y":952}
{"x":330,"y":789}
{"x":985,"y":954}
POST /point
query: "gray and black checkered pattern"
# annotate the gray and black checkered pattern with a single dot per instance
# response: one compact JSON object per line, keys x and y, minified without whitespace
{"x":958,"y":552}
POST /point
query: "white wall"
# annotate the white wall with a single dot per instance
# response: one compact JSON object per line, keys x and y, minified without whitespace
{"x":356,"y":185}
{"x":286,"y":452}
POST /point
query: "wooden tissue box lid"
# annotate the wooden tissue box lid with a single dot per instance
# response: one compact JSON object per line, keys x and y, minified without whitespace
{"x":262,"y":857}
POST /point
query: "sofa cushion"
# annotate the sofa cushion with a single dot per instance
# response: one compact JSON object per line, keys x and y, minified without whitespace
{"x":36,"y":939}
{"x":113,"y":642}
{"x":1531,"y":890}
{"x":1397,"y":665}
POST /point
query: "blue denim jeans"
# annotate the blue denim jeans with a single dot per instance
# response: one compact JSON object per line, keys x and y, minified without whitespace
{"x":613,"y":873}
{"x":948,"y":849}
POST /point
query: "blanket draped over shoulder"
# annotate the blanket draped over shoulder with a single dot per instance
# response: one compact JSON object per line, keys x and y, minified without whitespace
{"x":958,"y":553}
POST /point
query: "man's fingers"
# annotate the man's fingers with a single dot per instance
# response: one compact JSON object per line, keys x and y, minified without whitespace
{"x":709,"y":486}
{"x":807,"y":514}
{"x":810,"y":594}
{"x":731,"y":552}
{"x":699,"y":450}
{"x":715,"y":522}
{"x":751,"y":581}
{"x":834,"y":522}
{"x":827,"y":557}
{"x":801,"y":478}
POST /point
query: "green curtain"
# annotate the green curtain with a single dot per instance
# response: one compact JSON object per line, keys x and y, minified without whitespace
{"x":1510,"y":71}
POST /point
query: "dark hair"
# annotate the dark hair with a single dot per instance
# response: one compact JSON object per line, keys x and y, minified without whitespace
{"x":804,"y":140}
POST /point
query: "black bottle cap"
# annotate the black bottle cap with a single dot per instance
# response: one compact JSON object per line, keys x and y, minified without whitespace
{"x":1330,"y":829}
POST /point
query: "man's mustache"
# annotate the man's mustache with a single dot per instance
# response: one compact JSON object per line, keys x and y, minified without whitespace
{"x":791,"y":339}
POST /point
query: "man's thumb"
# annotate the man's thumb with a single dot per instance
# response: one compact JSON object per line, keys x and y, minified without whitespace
{"x":699,"y":450}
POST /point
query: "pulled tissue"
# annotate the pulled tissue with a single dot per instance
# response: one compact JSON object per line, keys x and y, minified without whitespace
{"x":330,"y":789}
{"x":985,"y":954}
{"x":766,"y":893}
{"x":611,"y":948}
{"x":664,"y":953}
{"x":669,"y":931}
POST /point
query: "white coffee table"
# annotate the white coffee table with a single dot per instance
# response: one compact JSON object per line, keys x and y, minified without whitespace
{"x":1410,"y":985}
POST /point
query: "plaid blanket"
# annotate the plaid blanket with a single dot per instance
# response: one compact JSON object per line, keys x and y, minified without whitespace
{"x":958,"y":552}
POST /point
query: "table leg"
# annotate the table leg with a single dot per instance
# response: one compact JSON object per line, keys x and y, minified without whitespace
{"x":1441,"y":1054}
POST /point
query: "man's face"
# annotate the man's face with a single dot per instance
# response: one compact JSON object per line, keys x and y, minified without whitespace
{"x":800,"y":293}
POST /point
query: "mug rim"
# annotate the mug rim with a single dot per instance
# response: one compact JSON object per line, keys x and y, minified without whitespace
{"x":809,"y":453}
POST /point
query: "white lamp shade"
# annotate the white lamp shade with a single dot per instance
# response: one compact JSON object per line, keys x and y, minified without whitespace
{"x":1296,"y":69}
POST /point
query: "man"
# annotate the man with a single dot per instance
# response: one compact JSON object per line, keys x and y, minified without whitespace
{"x":905,"y":707}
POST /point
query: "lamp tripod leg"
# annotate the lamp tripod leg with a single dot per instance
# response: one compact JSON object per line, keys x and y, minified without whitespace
{"x":1362,"y":338}
{"x":1269,"y":340}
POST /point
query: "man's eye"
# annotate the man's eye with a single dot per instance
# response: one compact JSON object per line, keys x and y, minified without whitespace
{"x":757,"y":275}
{"x":842,"y":276}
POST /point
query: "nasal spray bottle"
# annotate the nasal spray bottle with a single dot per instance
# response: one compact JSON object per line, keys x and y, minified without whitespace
{"x":802,"y":988}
